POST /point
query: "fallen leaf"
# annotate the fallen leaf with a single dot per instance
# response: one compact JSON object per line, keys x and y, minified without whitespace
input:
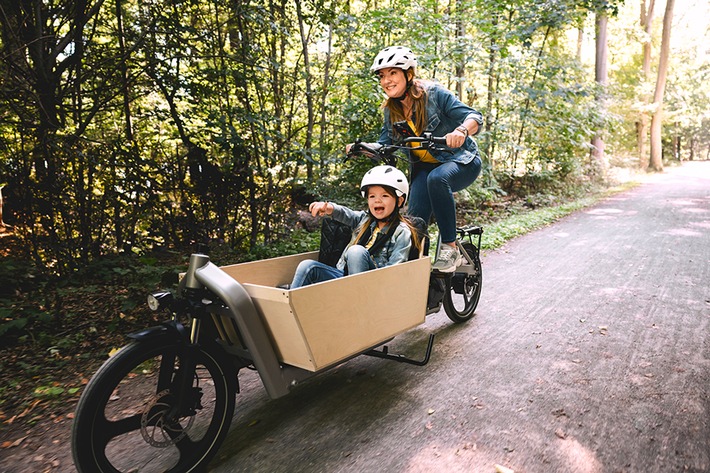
{"x":502,"y":469}
{"x":430,"y":411}
{"x":10,"y":444}
{"x":560,"y":433}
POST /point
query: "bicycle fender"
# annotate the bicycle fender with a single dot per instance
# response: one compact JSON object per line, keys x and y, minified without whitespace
{"x":171,"y":329}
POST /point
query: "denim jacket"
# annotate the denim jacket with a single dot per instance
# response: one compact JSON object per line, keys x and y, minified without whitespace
{"x":444,"y":113}
{"x":396,"y":250}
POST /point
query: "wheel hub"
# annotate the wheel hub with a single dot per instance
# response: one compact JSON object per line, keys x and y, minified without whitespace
{"x":160,"y":427}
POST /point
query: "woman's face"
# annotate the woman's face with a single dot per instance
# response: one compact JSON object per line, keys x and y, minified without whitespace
{"x":381,"y":202}
{"x":393,"y":81}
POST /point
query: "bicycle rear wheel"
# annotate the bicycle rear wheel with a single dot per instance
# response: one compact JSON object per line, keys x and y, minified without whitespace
{"x":464,"y":290}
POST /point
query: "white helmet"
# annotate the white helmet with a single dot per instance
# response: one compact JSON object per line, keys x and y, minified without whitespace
{"x":394,"y":56}
{"x":386,"y":176}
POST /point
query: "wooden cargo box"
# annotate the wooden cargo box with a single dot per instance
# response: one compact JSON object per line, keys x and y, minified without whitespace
{"x":317,"y":326}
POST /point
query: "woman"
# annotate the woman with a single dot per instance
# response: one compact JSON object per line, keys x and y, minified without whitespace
{"x":435,"y":176}
{"x":381,"y":236}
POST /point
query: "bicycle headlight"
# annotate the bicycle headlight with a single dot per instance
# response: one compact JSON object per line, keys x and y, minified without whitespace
{"x":159,"y":300}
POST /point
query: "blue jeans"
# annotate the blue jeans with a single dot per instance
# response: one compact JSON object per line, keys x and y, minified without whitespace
{"x":432,"y":188}
{"x":357,"y":258}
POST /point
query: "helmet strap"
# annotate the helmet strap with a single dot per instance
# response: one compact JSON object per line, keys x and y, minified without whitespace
{"x":381,"y":239}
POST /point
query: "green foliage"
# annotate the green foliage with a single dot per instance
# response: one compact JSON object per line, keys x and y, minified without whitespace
{"x":300,"y":241}
{"x":194,"y":123}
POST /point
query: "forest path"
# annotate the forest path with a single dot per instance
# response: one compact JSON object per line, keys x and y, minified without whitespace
{"x":590,"y":352}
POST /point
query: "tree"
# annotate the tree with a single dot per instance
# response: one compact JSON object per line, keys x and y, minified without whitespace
{"x":646,"y":22}
{"x":601,"y":78}
{"x":656,"y":161}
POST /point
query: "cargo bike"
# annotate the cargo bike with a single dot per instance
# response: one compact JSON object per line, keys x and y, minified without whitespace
{"x":165,"y":401}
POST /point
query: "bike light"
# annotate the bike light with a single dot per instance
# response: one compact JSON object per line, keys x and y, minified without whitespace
{"x":158,"y":300}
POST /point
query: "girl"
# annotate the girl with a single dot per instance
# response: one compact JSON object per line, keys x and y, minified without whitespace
{"x":435,"y":176}
{"x":381,"y":236}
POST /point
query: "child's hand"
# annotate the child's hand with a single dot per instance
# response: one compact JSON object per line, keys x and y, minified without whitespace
{"x":320,"y":209}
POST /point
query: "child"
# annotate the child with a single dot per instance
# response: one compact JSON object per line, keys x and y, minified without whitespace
{"x":381,"y":237}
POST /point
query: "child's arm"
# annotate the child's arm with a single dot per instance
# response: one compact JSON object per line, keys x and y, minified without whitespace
{"x":342,"y":214}
{"x":320,"y":208}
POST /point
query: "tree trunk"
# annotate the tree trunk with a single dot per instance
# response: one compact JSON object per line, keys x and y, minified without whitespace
{"x":646,"y":23}
{"x":601,"y":77}
{"x":2,"y":223}
{"x":461,"y":60}
{"x":490,"y":119}
{"x":656,"y":161}
{"x":324,"y":101}
{"x":308,"y":145}
{"x":526,"y":107}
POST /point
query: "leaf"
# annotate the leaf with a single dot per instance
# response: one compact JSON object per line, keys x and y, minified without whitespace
{"x":11,"y":444}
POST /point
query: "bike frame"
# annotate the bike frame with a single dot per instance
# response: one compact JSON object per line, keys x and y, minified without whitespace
{"x":202,"y":279}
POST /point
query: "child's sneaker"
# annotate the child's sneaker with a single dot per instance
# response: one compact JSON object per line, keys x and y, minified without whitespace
{"x":449,"y":259}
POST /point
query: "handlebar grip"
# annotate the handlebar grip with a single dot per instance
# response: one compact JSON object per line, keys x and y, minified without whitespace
{"x":438,"y":140}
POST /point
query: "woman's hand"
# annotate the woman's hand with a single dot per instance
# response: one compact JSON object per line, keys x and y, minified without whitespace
{"x":457,"y":138}
{"x":319,"y":209}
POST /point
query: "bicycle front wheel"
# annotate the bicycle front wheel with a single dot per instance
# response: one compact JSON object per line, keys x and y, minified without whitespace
{"x":131,"y":416}
{"x":464,"y":290}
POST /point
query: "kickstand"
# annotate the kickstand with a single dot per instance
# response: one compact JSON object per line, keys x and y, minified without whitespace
{"x":384,"y":353}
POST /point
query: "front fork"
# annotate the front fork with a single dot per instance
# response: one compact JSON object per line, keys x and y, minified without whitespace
{"x":179,"y":383}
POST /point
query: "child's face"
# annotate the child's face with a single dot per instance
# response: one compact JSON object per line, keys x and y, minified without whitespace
{"x":381,"y":202}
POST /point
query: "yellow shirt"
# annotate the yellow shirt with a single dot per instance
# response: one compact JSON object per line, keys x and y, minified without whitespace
{"x":373,"y":237}
{"x":421,"y":154}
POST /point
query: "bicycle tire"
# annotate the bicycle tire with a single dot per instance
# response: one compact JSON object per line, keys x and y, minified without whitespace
{"x":127,"y":418}
{"x":460,"y":305}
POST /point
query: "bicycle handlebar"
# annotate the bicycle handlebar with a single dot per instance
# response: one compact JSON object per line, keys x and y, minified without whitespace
{"x":386,"y":153}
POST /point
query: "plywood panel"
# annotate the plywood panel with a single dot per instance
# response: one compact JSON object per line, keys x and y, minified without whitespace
{"x":342,"y":317}
{"x":269,"y":272}
{"x":322,"y":324}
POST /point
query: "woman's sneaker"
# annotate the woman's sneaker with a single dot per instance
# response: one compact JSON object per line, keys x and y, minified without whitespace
{"x":449,"y":259}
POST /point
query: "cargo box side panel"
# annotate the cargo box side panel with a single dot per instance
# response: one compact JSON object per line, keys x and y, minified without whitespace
{"x":274,"y":307}
{"x":271,"y":272}
{"x":346,"y":316}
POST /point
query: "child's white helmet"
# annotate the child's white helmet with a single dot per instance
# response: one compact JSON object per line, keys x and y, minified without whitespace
{"x":394,"y":56}
{"x":385,"y":176}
